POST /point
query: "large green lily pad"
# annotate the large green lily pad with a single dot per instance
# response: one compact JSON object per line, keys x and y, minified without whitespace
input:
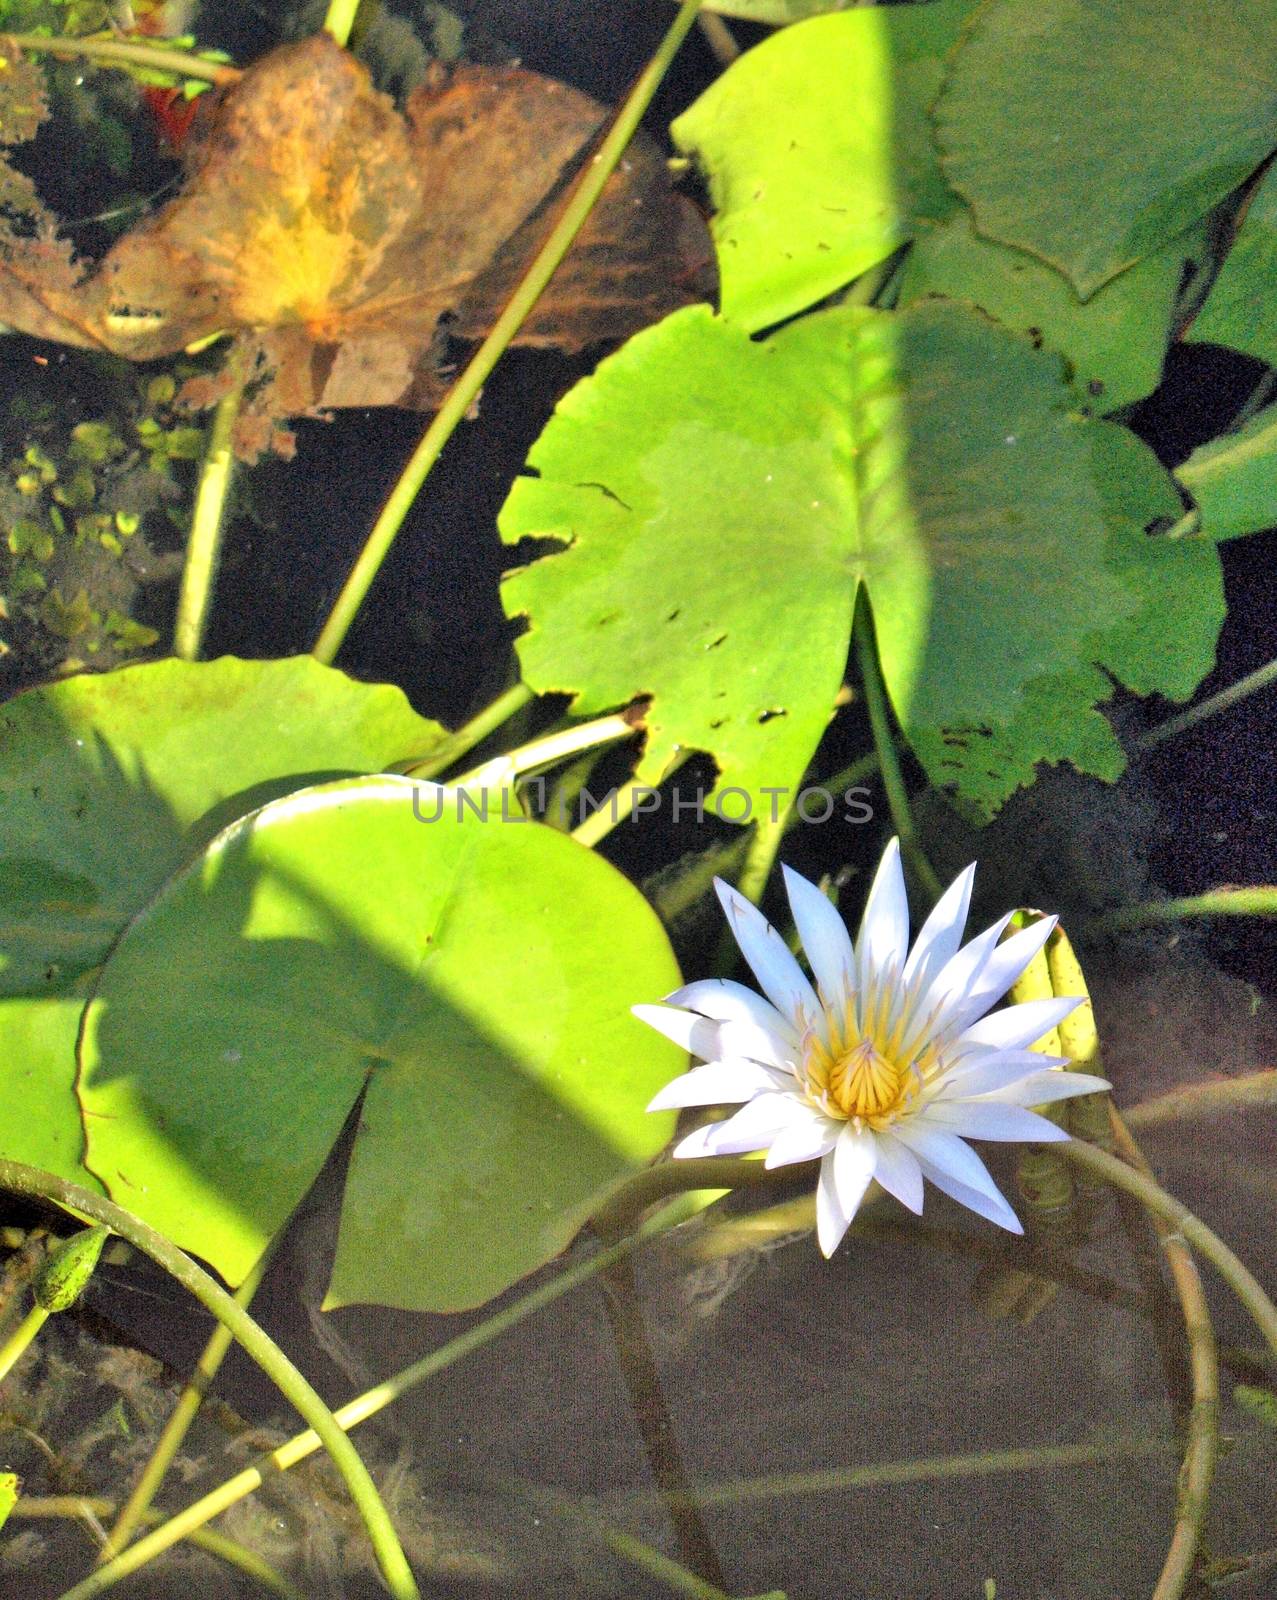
{"x":109,"y":782}
{"x":1092,"y":132}
{"x":818,"y":153}
{"x":467,"y":982}
{"x":1114,"y":342}
{"x":721,"y":500}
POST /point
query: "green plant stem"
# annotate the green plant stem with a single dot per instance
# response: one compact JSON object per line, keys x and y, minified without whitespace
{"x":128,"y":53}
{"x":464,"y":392}
{"x":217,"y":1544}
{"x":204,"y":546}
{"x":361,"y":1408}
{"x":340,"y":19}
{"x":1207,"y":1243}
{"x":1201,"y":1449}
{"x":833,"y":1481}
{"x":135,"y":1508}
{"x":889,"y":765}
{"x":655,"y":1425}
{"x":1251,"y":900}
{"x":1261,"y":678}
{"x":474,"y":732}
{"x":15,"y":1346}
{"x":20,"y":1179}
{"x":1206,"y":1099}
{"x":550,"y":749}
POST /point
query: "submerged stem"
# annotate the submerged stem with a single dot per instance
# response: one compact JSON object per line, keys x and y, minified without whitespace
{"x":1202,"y":1444}
{"x":18,"y":1178}
{"x":360,"y":1409}
{"x":461,"y":396}
{"x":1235,"y":1274}
{"x":136,"y":1508}
{"x":655,"y":1425}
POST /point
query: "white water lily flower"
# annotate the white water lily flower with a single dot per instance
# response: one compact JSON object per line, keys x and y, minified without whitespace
{"x":887,"y":1065}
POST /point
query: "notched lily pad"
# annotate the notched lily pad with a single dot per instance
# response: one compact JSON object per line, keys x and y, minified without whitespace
{"x":373,"y":939}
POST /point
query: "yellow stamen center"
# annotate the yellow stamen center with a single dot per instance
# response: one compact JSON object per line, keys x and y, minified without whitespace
{"x":862,"y":1074}
{"x":864,"y":1083}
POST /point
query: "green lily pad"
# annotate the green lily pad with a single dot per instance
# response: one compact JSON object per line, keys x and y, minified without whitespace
{"x":41,"y":1122}
{"x":722,"y":499}
{"x":109,"y":782}
{"x":807,"y":200}
{"x":1115,"y":342}
{"x":1241,"y":309}
{"x":1233,"y":479}
{"x":1165,"y":646}
{"x":1093,"y":132}
{"x":466,"y":982}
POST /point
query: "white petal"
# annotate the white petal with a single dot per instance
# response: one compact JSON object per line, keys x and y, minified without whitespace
{"x":716,"y":1041}
{"x":992,"y":1070}
{"x":832,"y":1221}
{"x":1040,"y":1088}
{"x":944,"y":1000}
{"x":719,"y":1083}
{"x":727,"y":1001}
{"x":697,"y":1144}
{"x":825,"y":940}
{"x":988,"y":1203}
{"x":1019,"y":1025}
{"x":896,"y":1169}
{"x":781,"y":978}
{"x":854,"y":1158}
{"x":696,"y":1034}
{"x":941,"y":1151}
{"x":1005,"y":964}
{"x":941,"y":934}
{"x":884,"y":930}
{"x":990,"y":1119}
{"x":804,"y":1140}
{"x":753,"y":1127}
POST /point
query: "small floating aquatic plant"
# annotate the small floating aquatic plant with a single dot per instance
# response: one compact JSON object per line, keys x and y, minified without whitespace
{"x":886,"y":1065}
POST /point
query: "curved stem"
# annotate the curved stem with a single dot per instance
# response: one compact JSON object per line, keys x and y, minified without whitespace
{"x":204,"y":546}
{"x":462,"y":395}
{"x":217,"y":1544}
{"x":1253,"y":681}
{"x":1202,"y":1445}
{"x":359,"y":1410}
{"x":1205,"y":1099}
{"x":1204,"y":1240}
{"x":21,"y":1179}
{"x":892,"y":777}
{"x":136,"y":1508}
{"x":1250,"y":900}
{"x":472,"y":733}
{"x":128,"y":53}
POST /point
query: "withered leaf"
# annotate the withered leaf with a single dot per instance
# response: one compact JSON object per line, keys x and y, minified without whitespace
{"x":340,"y":238}
{"x":37,"y":276}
